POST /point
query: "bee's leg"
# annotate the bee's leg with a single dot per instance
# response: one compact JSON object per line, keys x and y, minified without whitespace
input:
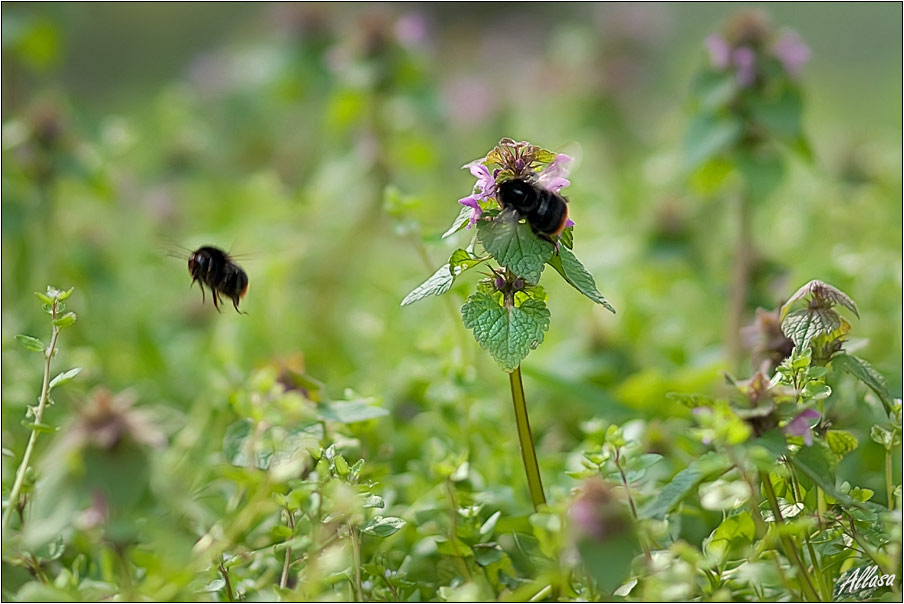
{"x":216,"y":300}
{"x":235,"y":304}
{"x":201,"y":285}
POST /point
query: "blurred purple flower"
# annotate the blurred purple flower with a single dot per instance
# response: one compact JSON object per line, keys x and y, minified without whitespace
{"x":744,"y":60}
{"x":411,"y":29}
{"x":719,"y":51}
{"x":800,"y":425}
{"x":792,"y":52}
{"x":485,"y":188}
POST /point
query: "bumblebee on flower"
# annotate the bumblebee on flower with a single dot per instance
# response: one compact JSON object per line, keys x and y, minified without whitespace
{"x":525,"y":182}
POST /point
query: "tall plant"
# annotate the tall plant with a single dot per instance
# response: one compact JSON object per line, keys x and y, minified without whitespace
{"x":508,"y":313}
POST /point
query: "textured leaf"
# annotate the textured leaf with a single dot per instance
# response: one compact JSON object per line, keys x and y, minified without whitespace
{"x":464,"y":215}
{"x":383,"y":526}
{"x":885,"y":437}
{"x":805,"y":324}
{"x":841,"y":442}
{"x":30,"y":343}
{"x":684,"y":483}
{"x":864,"y":372}
{"x":507,"y":334}
{"x":64,"y":377}
{"x":571,"y":269}
{"x":823,"y":292}
{"x":514,"y":245}
{"x":438,"y":283}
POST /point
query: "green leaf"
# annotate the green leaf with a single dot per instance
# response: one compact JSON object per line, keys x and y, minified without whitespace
{"x":64,"y":377}
{"x":507,"y":334}
{"x":781,"y":115}
{"x":827,"y":295}
{"x":864,"y":372}
{"x":762,"y":171}
{"x":65,"y":320}
{"x":707,"y":136}
{"x":571,"y":269}
{"x":382,"y":526}
{"x":487,"y":553}
{"x":684,"y":483}
{"x":350,"y":412}
{"x":514,"y":245}
{"x":731,"y":537}
{"x":805,"y":324}
{"x":438,"y":283}
{"x":714,"y":89}
{"x":816,"y":464}
{"x":30,"y":343}
{"x":39,"y":427}
{"x":462,"y":260}
{"x":464,"y":215}
{"x":487,"y":527}
{"x":841,"y":442}
{"x":567,"y":237}
{"x":885,"y":437}
{"x":63,"y":295}
{"x":48,"y":300}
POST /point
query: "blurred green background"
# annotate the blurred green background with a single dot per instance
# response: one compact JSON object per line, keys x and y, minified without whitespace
{"x":322,"y":144}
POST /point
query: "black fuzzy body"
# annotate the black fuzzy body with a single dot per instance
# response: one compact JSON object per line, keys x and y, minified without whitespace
{"x":546,"y":212}
{"x":214,"y":268}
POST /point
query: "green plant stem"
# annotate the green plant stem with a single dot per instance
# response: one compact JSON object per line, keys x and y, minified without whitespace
{"x":740,"y":280}
{"x":356,"y":553}
{"x":528,"y":454}
{"x":39,"y":415}
{"x":226,"y":583}
{"x":640,"y":536}
{"x":787,"y":543}
{"x":284,"y":578}
{"x":889,"y":481}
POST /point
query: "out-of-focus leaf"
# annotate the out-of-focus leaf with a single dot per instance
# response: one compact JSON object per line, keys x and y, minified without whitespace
{"x":349,"y":412}
{"x":30,"y":343}
{"x":383,"y":526}
{"x":732,"y":537}
{"x":64,"y":377}
{"x":684,"y":483}
{"x":707,"y":136}
{"x":864,"y":372}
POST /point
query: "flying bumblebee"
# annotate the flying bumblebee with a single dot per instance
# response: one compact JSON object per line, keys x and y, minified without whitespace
{"x":214,"y":268}
{"x":546,"y":212}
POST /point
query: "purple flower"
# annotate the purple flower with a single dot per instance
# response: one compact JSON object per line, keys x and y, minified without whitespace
{"x":719,"y":51}
{"x":800,"y":425}
{"x":792,"y":52}
{"x":744,"y":60}
{"x":484,"y":188}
